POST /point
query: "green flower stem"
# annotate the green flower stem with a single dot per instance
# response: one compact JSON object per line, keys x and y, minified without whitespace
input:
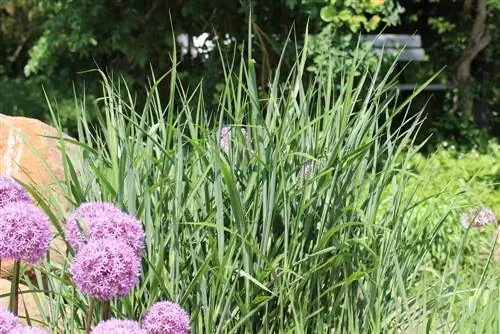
{"x":105,"y":310}
{"x":90,"y":312}
{"x":14,"y":300}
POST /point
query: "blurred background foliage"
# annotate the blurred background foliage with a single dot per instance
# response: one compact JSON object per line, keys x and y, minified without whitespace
{"x":52,"y":44}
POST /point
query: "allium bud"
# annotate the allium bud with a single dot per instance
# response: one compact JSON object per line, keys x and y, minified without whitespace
{"x":166,"y":318}
{"x":11,"y":191}
{"x":115,"y":326}
{"x":25,"y":232}
{"x":308,"y":169}
{"x":8,"y":321}
{"x":225,"y":137}
{"x":28,"y":330}
{"x":478,"y":218}
{"x":106,"y":269}
{"x":101,"y":220}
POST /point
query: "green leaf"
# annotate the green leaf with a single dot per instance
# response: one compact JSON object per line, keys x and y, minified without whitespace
{"x":327,"y":13}
{"x":345,"y":15}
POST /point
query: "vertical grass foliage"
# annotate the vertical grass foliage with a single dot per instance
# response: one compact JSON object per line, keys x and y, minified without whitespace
{"x":250,"y":240}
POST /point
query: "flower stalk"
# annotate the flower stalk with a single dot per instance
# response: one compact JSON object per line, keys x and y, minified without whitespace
{"x":90,"y":312}
{"x":14,"y":302}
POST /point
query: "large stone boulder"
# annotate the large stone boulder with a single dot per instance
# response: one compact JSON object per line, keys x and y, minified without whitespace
{"x":31,"y":157}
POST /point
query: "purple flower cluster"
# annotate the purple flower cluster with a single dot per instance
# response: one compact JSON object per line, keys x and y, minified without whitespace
{"x":118,"y":327}
{"x":162,"y":318}
{"x":166,"y":318}
{"x":102,"y":220}
{"x":9,"y":324}
{"x":478,"y":218}
{"x":28,"y":330}
{"x":25,"y":232}
{"x":106,"y":269}
{"x":8,"y":321}
{"x":108,"y":244}
{"x":11,"y":191}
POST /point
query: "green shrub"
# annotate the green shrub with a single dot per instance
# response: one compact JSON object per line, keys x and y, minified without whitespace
{"x":462,"y":267}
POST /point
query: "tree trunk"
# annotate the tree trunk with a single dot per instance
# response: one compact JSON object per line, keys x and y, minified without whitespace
{"x":479,"y":39}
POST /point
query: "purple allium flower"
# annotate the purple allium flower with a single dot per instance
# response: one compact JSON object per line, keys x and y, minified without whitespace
{"x":225,"y":137}
{"x":25,"y":232}
{"x":8,"y":321}
{"x":106,"y":269}
{"x":102,"y":220}
{"x":11,"y":191}
{"x":28,"y":330}
{"x":166,"y":318}
{"x":115,"y":326}
{"x":478,"y":217}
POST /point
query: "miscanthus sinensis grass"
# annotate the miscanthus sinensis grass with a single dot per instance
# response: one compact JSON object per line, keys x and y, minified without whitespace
{"x":234,"y":236}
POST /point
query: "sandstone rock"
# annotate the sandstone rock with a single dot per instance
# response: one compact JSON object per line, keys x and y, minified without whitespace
{"x":29,"y":156}
{"x":27,"y":302}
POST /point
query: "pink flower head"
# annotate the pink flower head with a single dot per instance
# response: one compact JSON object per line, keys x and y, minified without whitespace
{"x":166,"y":318}
{"x":115,"y":326}
{"x":8,"y":321}
{"x":106,"y":269}
{"x":309,"y":168}
{"x":225,"y":137}
{"x":478,"y":218}
{"x":28,"y":330}
{"x":101,"y":220}
{"x":11,"y":191}
{"x":25,"y":232}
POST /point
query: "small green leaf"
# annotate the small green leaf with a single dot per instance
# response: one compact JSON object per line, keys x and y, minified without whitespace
{"x":327,"y":13}
{"x":345,"y":15}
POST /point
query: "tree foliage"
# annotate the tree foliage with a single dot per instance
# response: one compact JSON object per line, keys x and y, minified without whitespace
{"x":47,"y":41}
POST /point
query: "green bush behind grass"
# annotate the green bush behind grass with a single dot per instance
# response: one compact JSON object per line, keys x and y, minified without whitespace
{"x":462,"y":264}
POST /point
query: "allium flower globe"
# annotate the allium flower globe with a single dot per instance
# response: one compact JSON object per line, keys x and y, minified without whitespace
{"x":115,"y":326}
{"x":28,"y":330}
{"x":8,"y":321}
{"x":102,"y":220}
{"x":478,"y":218}
{"x":106,"y":269}
{"x":11,"y":191}
{"x":166,"y":318}
{"x":25,"y":232}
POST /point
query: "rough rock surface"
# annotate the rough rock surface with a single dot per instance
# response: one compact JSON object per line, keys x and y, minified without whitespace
{"x":27,"y":301}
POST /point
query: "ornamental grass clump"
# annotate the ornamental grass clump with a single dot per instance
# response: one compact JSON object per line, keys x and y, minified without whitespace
{"x":166,"y":317}
{"x":116,"y":326}
{"x":235,"y":236}
{"x":102,"y":220}
{"x":8,"y":321}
